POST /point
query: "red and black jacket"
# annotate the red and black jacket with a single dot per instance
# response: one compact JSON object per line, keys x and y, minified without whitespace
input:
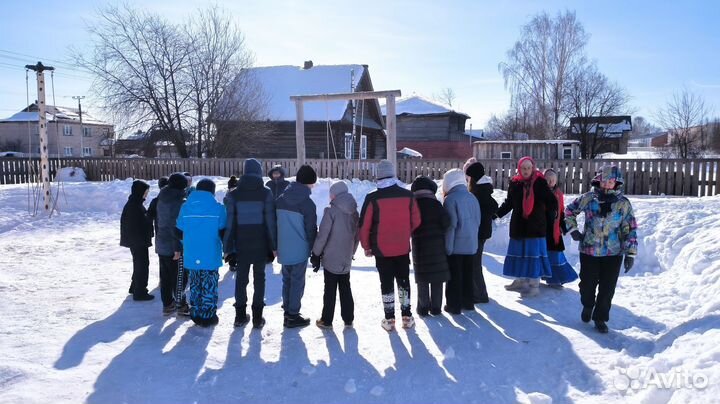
{"x":387,"y":220}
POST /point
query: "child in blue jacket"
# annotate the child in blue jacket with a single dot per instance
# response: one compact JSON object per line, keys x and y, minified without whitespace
{"x":202,"y":222}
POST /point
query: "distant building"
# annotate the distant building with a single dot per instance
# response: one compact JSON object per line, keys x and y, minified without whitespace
{"x":432,"y":129}
{"x":65,"y":135}
{"x":612,"y":132}
{"x":328,"y":125}
{"x":537,"y":149}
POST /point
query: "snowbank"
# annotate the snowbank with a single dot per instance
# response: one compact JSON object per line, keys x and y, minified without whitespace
{"x":71,"y":174}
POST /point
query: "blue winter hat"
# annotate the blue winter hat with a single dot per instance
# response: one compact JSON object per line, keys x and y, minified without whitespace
{"x":252,"y":167}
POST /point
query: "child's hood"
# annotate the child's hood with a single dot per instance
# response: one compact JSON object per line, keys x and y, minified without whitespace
{"x":345,"y":202}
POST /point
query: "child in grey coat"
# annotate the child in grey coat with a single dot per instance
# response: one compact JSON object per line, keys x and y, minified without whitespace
{"x":334,"y":248}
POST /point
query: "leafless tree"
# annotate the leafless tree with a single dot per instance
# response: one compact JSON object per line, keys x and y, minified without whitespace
{"x":447,"y":96}
{"x":714,"y":129}
{"x":240,"y":119}
{"x":588,"y":93}
{"x":684,"y":117}
{"x":218,"y":54}
{"x":168,"y":79}
{"x":538,"y":67}
{"x":138,"y":60}
{"x":642,"y":126}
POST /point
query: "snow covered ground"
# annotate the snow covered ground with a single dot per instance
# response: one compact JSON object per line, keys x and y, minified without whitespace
{"x":71,"y":333}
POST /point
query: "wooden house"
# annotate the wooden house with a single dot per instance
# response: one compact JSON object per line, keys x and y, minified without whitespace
{"x":333,"y":129}
{"x":612,"y":132}
{"x":537,"y":149}
{"x":433,"y":129}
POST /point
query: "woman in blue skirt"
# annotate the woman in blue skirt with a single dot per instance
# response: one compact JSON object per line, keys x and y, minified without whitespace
{"x":531,"y":202}
{"x":562,"y":271}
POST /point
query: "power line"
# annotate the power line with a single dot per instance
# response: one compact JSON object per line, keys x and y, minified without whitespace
{"x":71,"y":66}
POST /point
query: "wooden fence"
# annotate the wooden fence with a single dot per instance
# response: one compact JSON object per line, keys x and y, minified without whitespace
{"x":699,"y":177}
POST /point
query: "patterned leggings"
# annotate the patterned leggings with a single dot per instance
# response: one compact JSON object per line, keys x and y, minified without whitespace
{"x":203,"y":293}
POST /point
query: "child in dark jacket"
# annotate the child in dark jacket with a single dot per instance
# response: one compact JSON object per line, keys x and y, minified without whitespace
{"x":296,"y":229}
{"x":136,"y":234}
{"x":562,"y":271}
{"x":201,"y":222}
{"x":482,"y":187}
{"x":168,"y":246}
{"x":277,"y":182}
{"x":152,"y":208}
{"x":232,"y":184}
{"x":251,"y":235}
{"x":334,"y":247}
{"x":428,"y":248}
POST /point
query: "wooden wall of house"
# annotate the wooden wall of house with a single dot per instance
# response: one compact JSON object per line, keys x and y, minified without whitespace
{"x":431,"y":128}
{"x":544,"y":151}
{"x":280,"y":143}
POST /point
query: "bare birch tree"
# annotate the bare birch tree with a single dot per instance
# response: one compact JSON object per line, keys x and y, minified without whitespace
{"x":588,"y":94}
{"x":683,"y":117}
{"x":538,"y":67}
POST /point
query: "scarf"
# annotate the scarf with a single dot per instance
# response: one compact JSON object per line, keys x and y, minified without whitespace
{"x":528,"y":184}
{"x":606,"y":198}
{"x":561,"y":206}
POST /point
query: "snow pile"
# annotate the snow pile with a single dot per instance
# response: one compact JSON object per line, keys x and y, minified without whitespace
{"x":71,"y":174}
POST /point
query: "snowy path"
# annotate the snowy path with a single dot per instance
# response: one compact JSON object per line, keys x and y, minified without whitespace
{"x":71,"y":333}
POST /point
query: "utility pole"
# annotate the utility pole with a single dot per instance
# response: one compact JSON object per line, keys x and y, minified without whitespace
{"x":39,"y":69}
{"x":82,"y":130}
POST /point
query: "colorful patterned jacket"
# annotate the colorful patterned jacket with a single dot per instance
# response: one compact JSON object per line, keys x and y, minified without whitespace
{"x":613,"y":234}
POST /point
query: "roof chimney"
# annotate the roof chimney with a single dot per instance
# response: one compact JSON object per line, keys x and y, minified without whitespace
{"x":308,"y":65}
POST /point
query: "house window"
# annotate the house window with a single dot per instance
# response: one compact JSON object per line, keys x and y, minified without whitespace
{"x":67,"y":130}
{"x":363,"y":147}
{"x":506,"y":155}
{"x":68,"y":151}
{"x":87,"y":151}
{"x":349,"y":146}
{"x":87,"y":132}
{"x":567,"y":153}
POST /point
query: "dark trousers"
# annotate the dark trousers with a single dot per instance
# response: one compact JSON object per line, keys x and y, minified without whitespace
{"x":141,"y":268}
{"x":333,"y":283}
{"x":169,"y":279}
{"x":459,"y":289}
{"x":394,"y":270}
{"x":242,"y":278}
{"x":479,"y":288}
{"x":601,"y":274}
{"x":430,"y":295}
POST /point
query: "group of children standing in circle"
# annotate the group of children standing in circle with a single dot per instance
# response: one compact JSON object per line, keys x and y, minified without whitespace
{"x":258,"y":223}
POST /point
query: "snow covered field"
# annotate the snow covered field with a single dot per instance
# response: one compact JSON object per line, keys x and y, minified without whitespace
{"x":71,"y":333}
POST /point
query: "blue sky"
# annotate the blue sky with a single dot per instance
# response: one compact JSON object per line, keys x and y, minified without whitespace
{"x":651,"y":48}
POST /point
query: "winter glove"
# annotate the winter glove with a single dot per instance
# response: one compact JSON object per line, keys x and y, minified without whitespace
{"x":315,"y":262}
{"x":270,"y":257}
{"x":577,"y":236}
{"x":629,"y":261}
{"x":231,"y":259}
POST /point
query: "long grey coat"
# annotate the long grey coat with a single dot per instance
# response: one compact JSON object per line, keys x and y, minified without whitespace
{"x":338,"y":238}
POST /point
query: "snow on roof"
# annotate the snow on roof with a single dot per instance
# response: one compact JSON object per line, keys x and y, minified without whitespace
{"x":30,"y":114}
{"x":417,"y":105}
{"x":612,"y":126}
{"x":475,"y":133}
{"x":550,"y":141}
{"x":280,"y":82}
{"x":410,"y":152}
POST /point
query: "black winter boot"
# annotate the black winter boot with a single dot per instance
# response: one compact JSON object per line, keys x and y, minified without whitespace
{"x":241,"y":317}
{"x":601,"y":326}
{"x":257,"y":318}
{"x":586,"y":314}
